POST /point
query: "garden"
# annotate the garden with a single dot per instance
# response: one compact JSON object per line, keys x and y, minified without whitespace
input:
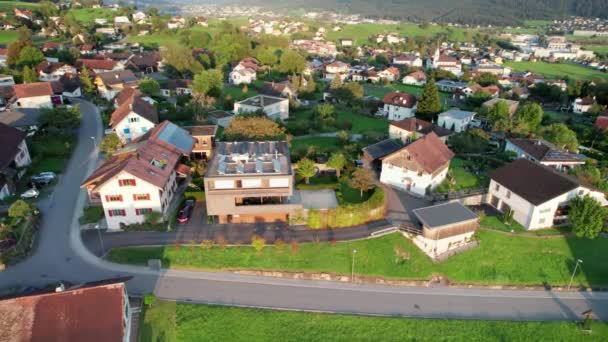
{"x":465,"y":174}
{"x":17,"y":232}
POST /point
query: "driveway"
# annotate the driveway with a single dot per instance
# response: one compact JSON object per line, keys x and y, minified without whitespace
{"x":401,"y":204}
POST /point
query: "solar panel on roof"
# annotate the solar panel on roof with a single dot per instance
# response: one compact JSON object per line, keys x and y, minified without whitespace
{"x":177,"y":137}
{"x":221,"y":168}
{"x":277,"y":165}
{"x":240,"y":168}
{"x":259,"y":166}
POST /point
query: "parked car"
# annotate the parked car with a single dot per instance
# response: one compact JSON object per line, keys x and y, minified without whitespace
{"x":44,"y":177}
{"x":184,"y":214}
{"x":31,"y":193}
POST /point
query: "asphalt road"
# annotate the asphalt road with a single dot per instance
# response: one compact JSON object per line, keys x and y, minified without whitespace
{"x":61,"y":255}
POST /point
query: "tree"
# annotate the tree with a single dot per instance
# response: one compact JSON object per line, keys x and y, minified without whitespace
{"x":306,"y":169}
{"x":586,"y":216}
{"x":149,"y":299}
{"x":19,"y":208}
{"x":149,"y":86}
{"x":350,"y":91}
{"x":507,"y":216}
{"x":528,"y":118}
{"x":29,"y":75}
{"x":109,"y":144}
{"x":85,"y":79}
{"x":499,"y":116}
{"x":561,"y":136}
{"x":60,"y":118}
{"x":473,"y":140}
{"x":587,"y":173}
{"x":362,"y":179}
{"x":485,"y":79}
{"x":30,"y":56}
{"x":266,"y":56}
{"x":256,"y":128}
{"x":429,"y":103}
{"x":325,"y":111}
{"x":258,"y":243}
{"x":338,"y":161}
{"x":336,"y":83}
{"x":208,"y":82}
{"x":180,"y":59}
{"x":292,"y":62}
{"x":14,"y":50}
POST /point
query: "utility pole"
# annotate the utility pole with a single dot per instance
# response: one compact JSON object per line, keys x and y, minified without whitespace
{"x":574,"y":272}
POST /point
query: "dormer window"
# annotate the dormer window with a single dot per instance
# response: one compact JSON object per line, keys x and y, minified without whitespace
{"x":159,"y":163}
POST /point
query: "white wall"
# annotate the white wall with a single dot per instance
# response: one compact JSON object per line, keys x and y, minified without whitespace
{"x":459,"y":125}
{"x":396,"y":113}
{"x":136,"y":129}
{"x":418,"y":184}
{"x":23,"y":155}
{"x":432,"y":248}
{"x":35,"y":102}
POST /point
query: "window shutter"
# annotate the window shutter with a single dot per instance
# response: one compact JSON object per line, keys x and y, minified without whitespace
{"x":124,"y":212}
{"x":134,"y":182}
{"x":110,"y":213}
{"x":120,"y":198}
{"x":120,"y":182}
{"x":134,"y":197}
{"x":148,"y":196}
{"x":136,"y":211}
{"x":107,"y":198}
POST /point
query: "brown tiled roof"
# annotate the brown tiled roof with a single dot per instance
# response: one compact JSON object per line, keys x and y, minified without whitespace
{"x":601,"y":122}
{"x":48,"y":67}
{"x":126,"y":77}
{"x":542,"y":150}
{"x":174,"y":84}
{"x":421,"y":126}
{"x":103,"y":64}
{"x":397,"y":98}
{"x":204,"y":130}
{"x":33,"y":89}
{"x":429,"y":153}
{"x":145,"y":60}
{"x":10,"y":138}
{"x":137,"y":105}
{"x":586,"y":101}
{"x":533,"y":182}
{"x":126,"y":94}
{"x":418,"y":75}
{"x":82,"y":314}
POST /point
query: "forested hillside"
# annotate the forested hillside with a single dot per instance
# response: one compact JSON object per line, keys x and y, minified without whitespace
{"x":496,"y":12}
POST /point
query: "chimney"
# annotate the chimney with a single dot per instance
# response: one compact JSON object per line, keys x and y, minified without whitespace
{"x":137,"y":155}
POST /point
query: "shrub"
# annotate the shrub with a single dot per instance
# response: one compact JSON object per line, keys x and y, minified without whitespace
{"x":221,"y":242}
{"x":153,"y":217}
{"x":19,"y":208}
{"x":258,"y":243}
{"x":149,"y":299}
{"x":279,"y":244}
{"x":207,"y":244}
{"x":91,"y":215}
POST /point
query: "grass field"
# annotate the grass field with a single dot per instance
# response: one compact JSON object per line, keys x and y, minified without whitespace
{"x":7,"y":37}
{"x":88,"y":15}
{"x":380,"y":91}
{"x":549,"y":70}
{"x":464,"y":178}
{"x":170,"y":321}
{"x":363,"y":123}
{"x":361,"y":32}
{"x":601,"y":49}
{"x":7,"y":6}
{"x":237,"y":94}
{"x":500,"y":259}
{"x":323,"y":144}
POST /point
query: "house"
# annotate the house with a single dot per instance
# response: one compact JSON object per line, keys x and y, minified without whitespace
{"x":492,"y":90}
{"x":398,"y":106}
{"x":409,"y":60}
{"x":139,"y":16}
{"x":450,"y":86}
{"x":456,"y":120}
{"x":3,"y":55}
{"x":141,"y":178}
{"x":543,"y":152}
{"x":99,"y":66}
{"x":67,"y":87}
{"x":52,"y":71}
{"x":220,"y":118}
{"x":34,"y":95}
{"x":142,"y":64}
{"x":180,"y":87}
{"x":126,"y":94}
{"x":279,"y":89}
{"x":447,"y":63}
{"x":133,"y":118}
{"x":23,"y":13}
{"x":244,"y":72}
{"x":582,"y":105}
{"x":6,"y":80}
{"x":273,"y":107}
{"x":601,"y":122}
{"x":176,"y":23}
{"x":373,"y":154}
{"x":417,"y":78}
{"x":204,"y":137}
{"x":346,"y":42}
{"x":389,"y":74}
{"x":250,"y":182}
{"x":512,"y":105}
{"x":121,"y":20}
{"x":109,"y":84}
{"x":418,"y":167}
{"x":202,"y":21}
{"x":337,"y":68}
{"x":445,"y":227}
{"x":410,"y":129}
{"x":23,"y":120}
{"x":14,"y":155}
{"x":66,"y":313}
{"x":538,"y":195}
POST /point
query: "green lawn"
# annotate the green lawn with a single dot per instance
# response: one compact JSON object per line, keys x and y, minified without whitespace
{"x":557,"y":116}
{"x":88,"y":15}
{"x":7,"y":37}
{"x":379,"y":91}
{"x":7,"y":6}
{"x":361,"y":32}
{"x":170,"y":321}
{"x":237,"y":93}
{"x":464,"y":179}
{"x":499,"y":259}
{"x":322,"y":144}
{"x":352,"y":195}
{"x":601,"y":49}
{"x":495,"y":222}
{"x":554,"y":70}
{"x":363,"y":123}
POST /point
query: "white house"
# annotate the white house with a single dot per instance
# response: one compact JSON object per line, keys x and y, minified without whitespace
{"x":410,"y":129}
{"x":139,"y":16}
{"x":582,"y":105}
{"x":7,"y":80}
{"x":390,"y":74}
{"x":14,"y":155}
{"x":337,"y":68}
{"x":398,"y":106}
{"x":245,"y":72}
{"x":274,"y":107}
{"x":544,"y":152}
{"x":140,"y":180}
{"x":447,"y":63}
{"x":51,"y":71}
{"x":133,"y":118}
{"x":455,"y":119}
{"x":418,"y":167}
{"x":409,"y":60}
{"x":537,"y":194}
{"x":121,"y":20}
{"x":417,"y":78}
{"x":34,"y":95}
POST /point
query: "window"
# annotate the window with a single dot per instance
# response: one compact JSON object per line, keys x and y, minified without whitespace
{"x":252,"y":183}
{"x":113,"y":198}
{"x":497,"y":187}
{"x":117,"y":212}
{"x":541,"y":221}
{"x":226,"y":184}
{"x":581,"y":192}
{"x":509,"y":194}
{"x":144,"y":129}
{"x":133,"y":119}
{"x":126,"y":182}
{"x":141,"y":197}
{"x":126,"y":131}
{"x":143,"y":211}
{"x":279,"y":183}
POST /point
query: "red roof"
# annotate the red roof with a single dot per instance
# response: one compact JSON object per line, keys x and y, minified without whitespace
{"x":397,"y":98}
{"x":601,"y":122}
{"x":428,"y":153}
{"x":82,"y":314}
{"x":33,"y":89}
{"x":99,"y":64}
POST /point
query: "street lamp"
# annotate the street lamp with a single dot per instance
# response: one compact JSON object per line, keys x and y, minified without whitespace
{"x":574,"y":272}
{"x":352,"y":270}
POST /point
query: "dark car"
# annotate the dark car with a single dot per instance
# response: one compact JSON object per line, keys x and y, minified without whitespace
{"x":184,"y":214}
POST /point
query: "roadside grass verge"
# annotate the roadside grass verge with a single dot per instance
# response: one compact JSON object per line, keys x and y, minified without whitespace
{"x":168,"y":321}
{"x":500,"y":259}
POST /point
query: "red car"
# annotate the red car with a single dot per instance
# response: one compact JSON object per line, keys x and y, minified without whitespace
{"x":184,"y":214}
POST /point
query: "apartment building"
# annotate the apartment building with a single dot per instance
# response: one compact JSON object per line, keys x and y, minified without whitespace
{"x":274,"y":107}
{"x":248,"y":182}
{"x":142,"y":177}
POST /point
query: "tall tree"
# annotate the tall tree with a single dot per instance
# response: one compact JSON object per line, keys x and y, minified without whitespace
{"x":30,"y":56}
{"x":29,"y":75}
{"x":528,"y":118}
{"x":256,"y":128}
{"x":499,"y":116}
{"x":562,"y":136}
{"x":363,"y":180}
{"x":109,"y":144}
{"x":338,"y":161}
{"x":292,"y":62}
{"x":149,"y":86}
{"x":429,"y":104}
{"x":306,"y":169}
{"x":586,"y":216}
{"x":336,"y":83}
{"x":87,"y":83}
{"x":208,"y":82}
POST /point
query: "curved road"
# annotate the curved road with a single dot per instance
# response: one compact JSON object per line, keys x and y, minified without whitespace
{"x":60,"y":255}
